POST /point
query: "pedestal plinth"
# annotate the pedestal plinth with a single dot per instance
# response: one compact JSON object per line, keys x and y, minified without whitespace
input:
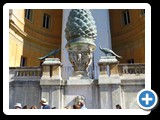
{"x":108,"y":65}
{"x":109,"y":82}
{"x":51,"y":82}
{"x":83,"y":87}
{"x":51,"y":69}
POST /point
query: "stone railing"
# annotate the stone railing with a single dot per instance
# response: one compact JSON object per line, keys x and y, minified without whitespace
{"x":136,"y":68}
{"x":25,"y":72}
{"x":36,"y":72}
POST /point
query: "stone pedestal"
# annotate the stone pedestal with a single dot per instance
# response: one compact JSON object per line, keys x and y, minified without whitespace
{"x":109,"y":82}
{"x":110,"y":93}
{"x":81,"y":87}
{"x":51,"y":69}
{"x":52,"y":83}
{"x":54,"y":95}
{"x":108,"y":65}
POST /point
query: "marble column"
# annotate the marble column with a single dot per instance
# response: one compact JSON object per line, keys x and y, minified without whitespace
{"x":67,"y":67}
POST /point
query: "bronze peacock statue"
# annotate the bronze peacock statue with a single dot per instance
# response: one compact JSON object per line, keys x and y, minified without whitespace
{"x":108,"y":52}
{"x":52,"y":53}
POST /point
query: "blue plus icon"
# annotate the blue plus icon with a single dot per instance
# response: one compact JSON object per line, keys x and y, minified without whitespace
{"x":147,"y":99}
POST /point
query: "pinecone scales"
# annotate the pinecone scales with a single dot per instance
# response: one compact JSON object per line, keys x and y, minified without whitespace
{"x":80,"y":24}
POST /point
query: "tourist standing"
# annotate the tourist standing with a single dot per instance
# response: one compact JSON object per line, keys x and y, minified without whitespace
{"x":44,"y":104}
{"x":18,"y":106}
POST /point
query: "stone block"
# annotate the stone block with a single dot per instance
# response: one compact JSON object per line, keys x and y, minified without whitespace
{"x":86,"y":88}
{"x":104,"y":79}
{"x":77,"y":81}
{"x":46,"y":72}
{"x":51,"y":69}
{"x":52,"y":82}
{"x":108,"y":65}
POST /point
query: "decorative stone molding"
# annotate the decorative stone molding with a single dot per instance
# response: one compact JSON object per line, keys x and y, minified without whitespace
{"x":81,"y":59}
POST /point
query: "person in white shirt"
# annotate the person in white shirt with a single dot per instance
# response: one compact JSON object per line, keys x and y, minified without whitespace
{"x":18,"y":106}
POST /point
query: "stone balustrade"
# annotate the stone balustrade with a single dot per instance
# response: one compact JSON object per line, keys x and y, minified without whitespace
{"x":25,"y":72}
{"x":136,"y":68}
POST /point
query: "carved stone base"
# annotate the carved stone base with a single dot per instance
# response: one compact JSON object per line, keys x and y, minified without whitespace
{"x":80,"y":73}
{"x":80,"y":55}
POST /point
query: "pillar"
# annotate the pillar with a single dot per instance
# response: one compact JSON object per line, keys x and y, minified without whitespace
{"x":109,"y":82}
{"x":51,"y":82}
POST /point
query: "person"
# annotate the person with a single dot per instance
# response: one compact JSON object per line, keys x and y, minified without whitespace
{"x":25,"y":107}
{"x":76,"y":106}
{"x":118,"y":106}
{"x":44,"y":104}
{"x":18,"y":106}
{"x":82,"y":104}
{"x":33,"y":107}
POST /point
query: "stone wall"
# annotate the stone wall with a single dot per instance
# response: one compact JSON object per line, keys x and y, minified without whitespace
{"x":129,"y":90}
{"x":24,"y":86}
{"x":27,"y":87}
{"x":87,"y":88}
{"x":24,"y":92}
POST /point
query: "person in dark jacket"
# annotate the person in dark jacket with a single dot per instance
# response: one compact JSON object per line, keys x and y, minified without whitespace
{"x":44,"y":104}
{"x":118,"y":106}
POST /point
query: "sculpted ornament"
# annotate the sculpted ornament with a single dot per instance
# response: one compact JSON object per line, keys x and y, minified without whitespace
{"x":80,"y":33}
